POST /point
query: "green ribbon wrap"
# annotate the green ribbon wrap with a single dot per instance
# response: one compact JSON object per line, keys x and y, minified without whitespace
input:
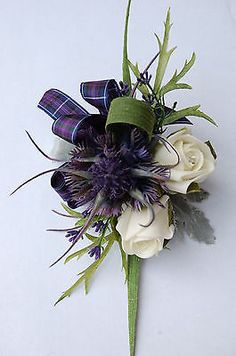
{"x":127,"y":110}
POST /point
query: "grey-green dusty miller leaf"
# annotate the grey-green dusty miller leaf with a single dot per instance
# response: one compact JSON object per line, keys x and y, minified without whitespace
{"x":190,"y":220}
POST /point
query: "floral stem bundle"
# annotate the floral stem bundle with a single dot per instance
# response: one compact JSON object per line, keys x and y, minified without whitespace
{"x":127,"y":178}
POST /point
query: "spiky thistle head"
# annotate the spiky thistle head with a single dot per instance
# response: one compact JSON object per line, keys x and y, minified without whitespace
{"x":120,"y":169}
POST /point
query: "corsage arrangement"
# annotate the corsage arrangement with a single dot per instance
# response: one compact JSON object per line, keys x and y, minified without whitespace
{"x":127,"y":176}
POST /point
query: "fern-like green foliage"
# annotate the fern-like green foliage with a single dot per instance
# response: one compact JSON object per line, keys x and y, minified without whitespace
{"x":106,"y":241}
{"x":173,"y":83}
{"x":80,"y":253}
{"x":87,"y":274}
{"x":192,"y":111}
{"x":164,"y":56}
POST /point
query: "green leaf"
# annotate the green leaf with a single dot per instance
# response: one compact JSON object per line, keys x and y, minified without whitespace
{"x":86,"y":285}
{"x":192,"y":111}
{"x":71,"y":211}
{"x":173,"y":83}
{"x":135,"y":69}
{"x":91,"y":237}
{"x":191,"y":221}
{"x":127,"y":110}
{"x":205,"y":116}
{"x":80,"y":253}
{"x":133,"y":286}
{"x":125,"y":66}
{"x":123,"y":258}
{"x":164,"y":56}
{"x":80,"y":222}
{"x":88,"y":272}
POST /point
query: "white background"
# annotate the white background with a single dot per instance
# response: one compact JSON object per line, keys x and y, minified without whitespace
{"x":187,"y":299}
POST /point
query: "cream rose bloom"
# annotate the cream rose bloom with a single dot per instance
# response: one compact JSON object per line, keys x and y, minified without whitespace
{"x":142,"y":241}
{"x":196,"y":160}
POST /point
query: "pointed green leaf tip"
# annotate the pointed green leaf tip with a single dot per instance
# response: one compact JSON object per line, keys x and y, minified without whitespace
{"x":133,"y":286}
{"x":125,"y":67}
{"x":192,"y":111}
{"x":164,"y":56}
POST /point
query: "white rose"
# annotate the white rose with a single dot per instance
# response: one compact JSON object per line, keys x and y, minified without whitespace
{"x":142,"y":241}
{"x":196,"y":160}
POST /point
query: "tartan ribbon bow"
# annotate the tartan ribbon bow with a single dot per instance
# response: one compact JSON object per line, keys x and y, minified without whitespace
{"x":69,"y":116}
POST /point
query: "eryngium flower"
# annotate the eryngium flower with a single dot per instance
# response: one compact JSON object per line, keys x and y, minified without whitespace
{"x":120,"y":170}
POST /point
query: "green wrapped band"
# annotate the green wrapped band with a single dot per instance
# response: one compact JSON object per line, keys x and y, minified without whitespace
{"x":127,"y":110}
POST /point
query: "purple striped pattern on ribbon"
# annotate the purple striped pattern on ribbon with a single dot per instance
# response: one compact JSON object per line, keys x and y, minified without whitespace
{"x":56,"y":104}
{"x":100,"y":93}
{"x":69,"y":117}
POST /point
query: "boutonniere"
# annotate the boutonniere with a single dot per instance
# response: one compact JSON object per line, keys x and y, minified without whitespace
{"x":131,"y":173}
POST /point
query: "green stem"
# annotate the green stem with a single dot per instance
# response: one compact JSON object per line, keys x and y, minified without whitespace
{"x":125,"y":67}
{"x":133,"y":285}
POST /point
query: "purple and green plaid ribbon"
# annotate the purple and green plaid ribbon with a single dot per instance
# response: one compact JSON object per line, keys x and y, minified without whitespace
{"x":69,"y":116}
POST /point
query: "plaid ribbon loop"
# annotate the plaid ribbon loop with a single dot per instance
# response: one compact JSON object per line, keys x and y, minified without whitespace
{"x":100,"y":94}
{"x":69,"y":117}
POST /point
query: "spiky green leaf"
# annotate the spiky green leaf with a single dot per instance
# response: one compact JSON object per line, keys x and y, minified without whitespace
{"x":86,"y":275}
{"x":192,"y":111}
{"x":164,"y":56}
{"x":173,"y":83}
{"x":78,"y":254}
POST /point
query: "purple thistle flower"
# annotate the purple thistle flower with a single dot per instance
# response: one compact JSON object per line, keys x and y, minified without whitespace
{"x":115,"y":168}
{"x":107,"y":169}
